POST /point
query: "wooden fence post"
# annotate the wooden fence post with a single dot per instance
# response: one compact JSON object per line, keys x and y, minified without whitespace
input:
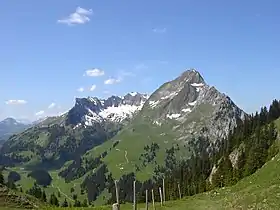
{"x":147,"y":204}
{"x":153,"y":199}
{"x":180,"y":196}
{"x":116,"y":206}
{"x":134,"y":196}
{"x":160,"y":194}
{"x":163,"y":191}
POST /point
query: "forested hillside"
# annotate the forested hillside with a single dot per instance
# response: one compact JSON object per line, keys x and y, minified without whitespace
{"x":252,"y":143}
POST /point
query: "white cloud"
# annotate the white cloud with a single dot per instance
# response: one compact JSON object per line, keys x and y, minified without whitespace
{"x":40,"y":113}
{"x":106,"y":92}
{"x":52,"y":105}
{"x":160,"y":30}
{"x":83,"y":11}
{"x":80,"y":16}
{"x":121,"y":75}
{"x":93,"y":87}
{"x":81,"y":89}
{"x":94,"y":73}
{"x":16,"y":102}
{"x":112,"y":81}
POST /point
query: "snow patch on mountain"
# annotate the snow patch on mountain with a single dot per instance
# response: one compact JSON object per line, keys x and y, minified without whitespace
{"x":197,"y":84}
{"x":133,"y":93}
{"x":120,"y":113}
{"x":192,"y":103}
{"x":186,"y":110}
{"x":171,"y":95}
{"x":153,"y":104}
{"x":91,"y":110}
{"x":157,"y":123}
{"x":173,"y":116}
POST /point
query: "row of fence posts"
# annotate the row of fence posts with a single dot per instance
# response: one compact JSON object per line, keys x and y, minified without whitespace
{"x":116,"y":206}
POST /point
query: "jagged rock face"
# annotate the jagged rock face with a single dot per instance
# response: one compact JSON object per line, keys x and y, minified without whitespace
{"x":195,"y":108}
{"x":89,"y":123}
{"x":235,"y":155}
{"x":116,"y":109}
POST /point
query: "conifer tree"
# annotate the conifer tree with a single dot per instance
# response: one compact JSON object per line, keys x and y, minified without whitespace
{"x":43,"y":196}
{"x":11,"y":184}
{"x":77,"y":203}
{"x":1,"y":178}
{"x":65,"y":203}
{"x":54,"y":200}
{"x":85,"y":203}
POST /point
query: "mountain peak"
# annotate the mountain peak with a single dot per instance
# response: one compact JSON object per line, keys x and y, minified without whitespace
{"x":191,"y":75}
{"x":133,"y":93}
{"x":190,"y":101}
{"x":9,"y":121}
{"x":92,"y":110}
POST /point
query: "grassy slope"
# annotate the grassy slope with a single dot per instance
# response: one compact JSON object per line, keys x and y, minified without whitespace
{"x":123,"y":158}
{"x":140,"y":133}
{"x":258,"y":191}
{"x":10,"y":199}
{"x":58,"y":185}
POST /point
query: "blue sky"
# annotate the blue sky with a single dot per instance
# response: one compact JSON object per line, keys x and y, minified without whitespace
{"x":47,"y":47}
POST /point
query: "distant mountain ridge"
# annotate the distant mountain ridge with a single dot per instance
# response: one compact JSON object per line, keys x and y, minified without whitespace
{"x":88,"y":111}
{"x":10,"y":126}
{"x":90,"y":122}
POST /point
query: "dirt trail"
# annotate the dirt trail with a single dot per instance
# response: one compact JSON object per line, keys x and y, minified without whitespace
{"x":125,"y":155}
{"x":65,"y":195}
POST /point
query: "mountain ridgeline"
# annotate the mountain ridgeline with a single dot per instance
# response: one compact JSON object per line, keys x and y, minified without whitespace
{"x":89,"y":123}
{"x":10,"y":126}
{"x":186,"y":131}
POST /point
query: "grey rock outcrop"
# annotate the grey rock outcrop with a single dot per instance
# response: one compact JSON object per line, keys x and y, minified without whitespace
{"x":195,"y":109}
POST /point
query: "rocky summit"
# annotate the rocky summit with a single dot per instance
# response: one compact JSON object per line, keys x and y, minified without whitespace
{"x":194,"y":107}
{"x":88,"y":111}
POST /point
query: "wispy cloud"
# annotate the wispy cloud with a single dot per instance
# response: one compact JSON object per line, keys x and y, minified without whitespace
{"x":16,"y":102}
{"x":52,"y":105}
{"x":112,"y":81}
{"x":160,"y":30}
{"x":81,"y":89}
{"x":92,"y":88}
{"x":106,"y":92}
{"x":94,"y":72}
{"x":119,"y":78}
{"x":40,"y":113}
{"x":80,"y":16}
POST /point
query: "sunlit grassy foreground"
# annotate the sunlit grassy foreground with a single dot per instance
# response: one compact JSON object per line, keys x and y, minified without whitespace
{"x":258,"y":191}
